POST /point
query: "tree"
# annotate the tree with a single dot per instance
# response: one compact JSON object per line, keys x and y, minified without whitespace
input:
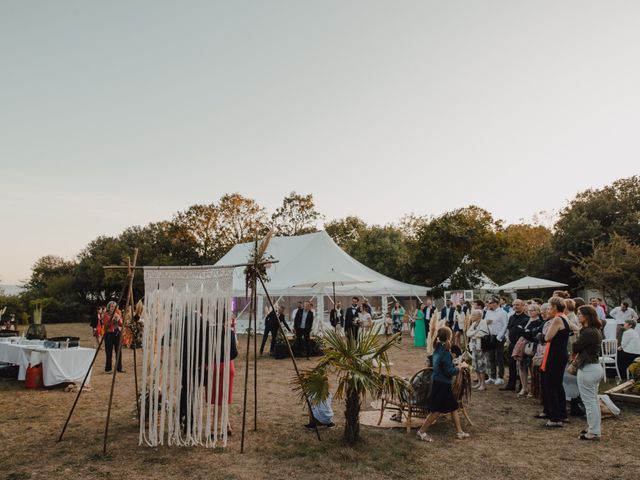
{"x":525,"y":249}
{"x":614,"y":268}
{"x":383,"y":249}
{"x":241,"y":219}
{"x":351,"y":362}
{"x":346,"y":232}
{"x":202,"y":224}
{"x":592,"y":218}
{"x":296,"y":216}
{"x":443,"y":243}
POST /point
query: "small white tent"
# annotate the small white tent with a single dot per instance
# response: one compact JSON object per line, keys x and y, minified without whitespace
{"x":299,"y":258}
{"x":530,"y":283}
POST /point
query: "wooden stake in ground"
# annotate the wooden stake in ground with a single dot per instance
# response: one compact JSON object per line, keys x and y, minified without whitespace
{"x":130,"y":274}
{"x":95,"y":356}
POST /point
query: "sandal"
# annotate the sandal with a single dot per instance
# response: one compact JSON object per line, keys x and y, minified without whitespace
{"x":396,"y":417}
{"x":551,"y":424}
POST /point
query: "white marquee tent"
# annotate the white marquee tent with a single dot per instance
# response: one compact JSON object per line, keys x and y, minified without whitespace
{"x":300,"y":258}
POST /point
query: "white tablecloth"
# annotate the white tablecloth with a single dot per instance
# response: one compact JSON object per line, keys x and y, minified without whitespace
{"x":58,"y":365}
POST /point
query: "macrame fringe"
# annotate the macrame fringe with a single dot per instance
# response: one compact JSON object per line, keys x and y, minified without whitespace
{"x":187,"y":334}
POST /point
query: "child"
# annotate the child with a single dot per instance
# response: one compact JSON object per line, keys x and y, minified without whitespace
{"x":442,"y":400}
{"x":388,"y":325}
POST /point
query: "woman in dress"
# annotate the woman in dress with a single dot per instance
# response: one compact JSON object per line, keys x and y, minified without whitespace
{"x":419,"y":331}
{"x":480,"y":360}
{"x":590,"y":373}
{"x":217,"y":392}
{"x":530,"y":331}
{"x":365,"y":320}
{"x":458,"y":326}
{"x":554,"y":363}
{"x":397,"y":316}
{"x":442,"y":400}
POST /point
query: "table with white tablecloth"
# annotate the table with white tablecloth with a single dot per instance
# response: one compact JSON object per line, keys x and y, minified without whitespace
{"x":58,"y":364}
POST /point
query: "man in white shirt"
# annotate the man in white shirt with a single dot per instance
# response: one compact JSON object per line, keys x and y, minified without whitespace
{"x":497,"y":321}
{"x":599,"y":310}
{"x":621,"y":314}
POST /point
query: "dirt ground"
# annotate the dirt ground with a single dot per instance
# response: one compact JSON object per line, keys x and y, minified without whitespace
{"x":506,"y":441}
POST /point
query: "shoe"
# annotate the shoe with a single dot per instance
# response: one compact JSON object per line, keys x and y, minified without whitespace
{"x":542,"y":416}
{"x":507,"y":389}
{"x":107,"y":371}
{"x":500,"y":381}
{"x":489,"y":381}
{"x":565,"y":420}
{"x":589,"y":436}
{"x":550,"y":424}
{"x":330,"y":425}
{"x":310,"y":426}
{"x":424,"y":436}
{"x":122,"y":371}
{"x":582,"y":432}
{"x":482,"y":389}
{"x":462,"y":435}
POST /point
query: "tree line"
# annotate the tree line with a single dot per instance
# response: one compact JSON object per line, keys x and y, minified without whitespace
{"x":594,"y":242}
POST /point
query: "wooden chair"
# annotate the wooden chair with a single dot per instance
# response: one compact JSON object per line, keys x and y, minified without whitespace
{"x":416,"y":404}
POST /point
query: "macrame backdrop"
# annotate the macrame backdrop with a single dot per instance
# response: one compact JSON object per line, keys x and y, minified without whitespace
{"x":186,"y":327}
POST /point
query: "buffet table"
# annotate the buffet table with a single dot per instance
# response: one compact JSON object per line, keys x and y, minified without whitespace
{"x":59,"y":365}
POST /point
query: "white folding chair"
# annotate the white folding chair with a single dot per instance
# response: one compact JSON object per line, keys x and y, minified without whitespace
{"x":609,"y":356}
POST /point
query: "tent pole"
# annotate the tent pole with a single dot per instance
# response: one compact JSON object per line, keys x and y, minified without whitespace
{"x":293,"y":359}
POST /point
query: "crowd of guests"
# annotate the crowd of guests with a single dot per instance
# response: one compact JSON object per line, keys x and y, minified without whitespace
{"x":547,"y":344}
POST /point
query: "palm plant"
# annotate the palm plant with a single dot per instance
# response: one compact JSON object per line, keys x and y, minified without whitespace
{"x":361,"y":368}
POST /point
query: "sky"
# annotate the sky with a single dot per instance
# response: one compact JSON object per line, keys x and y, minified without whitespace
{"x":121,"y":113}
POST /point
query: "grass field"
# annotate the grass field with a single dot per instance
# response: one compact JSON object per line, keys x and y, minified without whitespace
{"x":506,"y":442}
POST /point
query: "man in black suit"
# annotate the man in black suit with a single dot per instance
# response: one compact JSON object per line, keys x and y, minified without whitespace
{"x":448,"y":313}
{"x":336,"y":316}
{"x":271,"y":327}
{"x":428,"y":310}
{"x":302,"y":325}
{"x":351,"y":321}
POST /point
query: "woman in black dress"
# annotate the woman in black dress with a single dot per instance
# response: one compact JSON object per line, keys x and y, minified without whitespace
{"x":555,"y":363}
{"x":442,"y":400}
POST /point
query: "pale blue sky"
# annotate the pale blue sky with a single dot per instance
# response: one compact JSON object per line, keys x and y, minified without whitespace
{"x":124,"y":112}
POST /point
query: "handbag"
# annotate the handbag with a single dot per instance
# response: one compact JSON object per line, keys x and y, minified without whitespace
{"x":529,"y":349}
{"x":488,"y":343}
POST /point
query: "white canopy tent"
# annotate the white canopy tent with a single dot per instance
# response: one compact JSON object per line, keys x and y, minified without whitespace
{"x":531,"y":283}
{"x":304,"y":257}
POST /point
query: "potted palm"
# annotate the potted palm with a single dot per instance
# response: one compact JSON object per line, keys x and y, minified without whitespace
{"x":360,"y":367}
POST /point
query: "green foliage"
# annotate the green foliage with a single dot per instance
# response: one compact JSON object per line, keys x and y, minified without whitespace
{"x":614,"y":268}
{"x":442,"y":244}
{"x":296,"y":216}
{"x":592,"y":218}
{"x":360,"y":367}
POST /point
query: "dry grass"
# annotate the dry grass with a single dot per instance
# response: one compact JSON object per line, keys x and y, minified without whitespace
{"x":505,"y":443}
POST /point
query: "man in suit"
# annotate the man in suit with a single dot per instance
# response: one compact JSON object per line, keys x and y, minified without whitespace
{"x":302,"y":326}
{"x":336,"y":316}
{"x":448,"y":313}
{"x":271,"y":327}
{"x":428,"y":310}
{"x":351,"y":322}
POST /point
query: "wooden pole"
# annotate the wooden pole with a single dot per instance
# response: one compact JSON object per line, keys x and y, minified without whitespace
{"x":84,"y":380}
{"x":293,"y":359}
{"x":255,"y":356}
{"x":130,"y":275}
{"x":246,"y":378}
{"x":135,"y":363}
